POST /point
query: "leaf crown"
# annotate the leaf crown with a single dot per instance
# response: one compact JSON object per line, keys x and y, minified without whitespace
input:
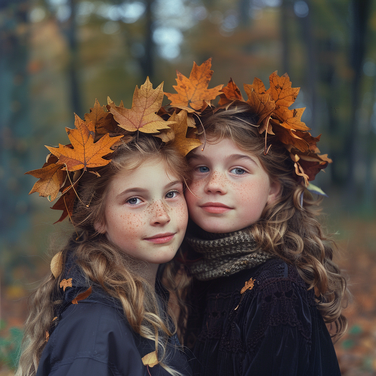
{"x":271,"y":107}
{"x":104,"y":128}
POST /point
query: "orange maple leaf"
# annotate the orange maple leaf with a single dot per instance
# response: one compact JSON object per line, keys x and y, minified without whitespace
{"x":84,"y":153}
{"x":230,"y":93}
{"x":66,"y":283}
{"x":260,"y":102}
{"x":82,"y":296}
{"x":51,"y":178}
{"x":193,"y":93}
{"x":103,"y":120}
{"x":142,"y":116}
{"x":183,"y":143}
{"x":281,"y":91}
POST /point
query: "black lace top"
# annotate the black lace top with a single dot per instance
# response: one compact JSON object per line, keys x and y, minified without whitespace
{"x":273,"y":328}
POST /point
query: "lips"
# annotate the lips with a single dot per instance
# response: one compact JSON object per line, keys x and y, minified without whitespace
{"x":161,"y":238}
{"x":215,"y":207}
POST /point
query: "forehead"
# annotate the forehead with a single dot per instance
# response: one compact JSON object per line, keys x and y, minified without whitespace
{"x":222,"y":147}
{"x":148,"y":174}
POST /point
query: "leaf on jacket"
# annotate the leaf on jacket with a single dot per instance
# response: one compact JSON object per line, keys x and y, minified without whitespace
{"x":82,"y":296}
{"x":142,"y":116}
{"x":66,"y":283}
{"x":248,"y":286}
{"x":150,"y":359}
{"x":193,"y":93}
{"x":84,"y":153}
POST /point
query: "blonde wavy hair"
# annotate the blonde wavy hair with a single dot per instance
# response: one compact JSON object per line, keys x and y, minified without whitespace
{"x":101,"y":262}
{"x":289,"y":228}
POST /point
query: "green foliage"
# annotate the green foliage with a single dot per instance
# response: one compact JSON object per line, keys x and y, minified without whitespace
{"x":10,"y":342}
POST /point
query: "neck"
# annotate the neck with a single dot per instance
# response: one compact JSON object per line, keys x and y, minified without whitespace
{"x":148,"y":271}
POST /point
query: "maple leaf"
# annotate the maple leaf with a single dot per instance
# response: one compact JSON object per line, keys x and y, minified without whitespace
{"x":51,"y":178}
{"x":82,"y":296}
{"x":66,"y":283}
{"x":193,"y":93}
{"x":142,"y":116}
{"x":65,"y":203}
{"x":103,"y":120}
{"x":230,"y":93}
{"x":281,"y":91}
{"x":183,"y":143}
{"x":150,"y":359}
{"x":260,"y":102}
{"x":84,"y":153}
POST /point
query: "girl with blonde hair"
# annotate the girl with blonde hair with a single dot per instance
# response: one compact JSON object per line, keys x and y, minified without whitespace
{"x":103,"y":310}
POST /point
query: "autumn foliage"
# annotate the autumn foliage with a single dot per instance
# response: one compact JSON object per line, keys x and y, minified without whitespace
{"x":94,"y":139}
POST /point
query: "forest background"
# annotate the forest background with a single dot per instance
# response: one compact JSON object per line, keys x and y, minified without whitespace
{"x":58,"y":56}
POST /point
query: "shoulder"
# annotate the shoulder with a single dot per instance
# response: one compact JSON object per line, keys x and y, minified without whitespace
{"x":92,"y":332}
{"x":277,"y":276}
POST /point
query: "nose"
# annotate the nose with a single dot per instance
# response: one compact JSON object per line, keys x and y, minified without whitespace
{"x":216,"y":183}
{"x":160,"y":215}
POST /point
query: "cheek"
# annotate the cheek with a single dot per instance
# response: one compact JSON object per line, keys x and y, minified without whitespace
{"x":128,"y":222}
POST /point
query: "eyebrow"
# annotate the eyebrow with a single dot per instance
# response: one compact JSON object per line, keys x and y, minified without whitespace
{"x":231,"y":157}
{"x":140,"y":190}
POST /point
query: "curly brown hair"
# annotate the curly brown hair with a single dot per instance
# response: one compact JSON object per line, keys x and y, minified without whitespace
{"x":289,"y":227}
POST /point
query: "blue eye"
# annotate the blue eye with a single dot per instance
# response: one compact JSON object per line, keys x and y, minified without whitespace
{"x":203,"y":169}
{"x":134,"y":201}
{"x":172,"y":194}
{"x":238,"y":171}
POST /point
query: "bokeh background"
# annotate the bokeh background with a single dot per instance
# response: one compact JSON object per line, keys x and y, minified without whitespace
{"x":58,"y":56}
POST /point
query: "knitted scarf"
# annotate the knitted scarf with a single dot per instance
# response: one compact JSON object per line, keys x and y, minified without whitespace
{"x":222,"y":255}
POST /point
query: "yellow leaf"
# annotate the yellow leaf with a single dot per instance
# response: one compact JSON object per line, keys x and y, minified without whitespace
{"x":150,"y":359}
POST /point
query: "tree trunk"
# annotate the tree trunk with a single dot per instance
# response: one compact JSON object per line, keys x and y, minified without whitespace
{"x":360,"y":10}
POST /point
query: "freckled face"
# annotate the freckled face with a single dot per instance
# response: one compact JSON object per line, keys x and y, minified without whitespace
{"x":146,"y":213}
{"x":229,"y":188}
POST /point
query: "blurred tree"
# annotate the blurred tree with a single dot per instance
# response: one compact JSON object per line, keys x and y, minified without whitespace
{"x":15,"y":130}
{"x":360,"y":12}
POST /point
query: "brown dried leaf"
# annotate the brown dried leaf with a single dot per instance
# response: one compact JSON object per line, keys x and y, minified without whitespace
{"x":51,"y":178}
{"x":143,"y":115}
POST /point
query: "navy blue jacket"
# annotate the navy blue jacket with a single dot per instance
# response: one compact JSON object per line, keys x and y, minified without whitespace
{"x":94,"y":337}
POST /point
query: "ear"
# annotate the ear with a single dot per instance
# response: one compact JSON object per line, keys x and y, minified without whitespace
{"x":274,"y":191}
{"x":100,"y":227}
